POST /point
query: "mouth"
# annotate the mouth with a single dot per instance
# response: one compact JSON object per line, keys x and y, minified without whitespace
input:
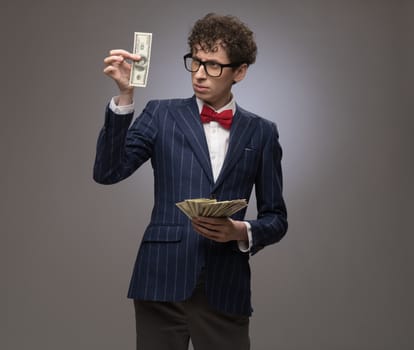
{"x":200,"y":88}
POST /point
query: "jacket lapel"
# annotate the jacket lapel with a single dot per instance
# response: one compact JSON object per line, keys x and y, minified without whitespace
{"x":240,"y":134}
{"x":188,"y":120}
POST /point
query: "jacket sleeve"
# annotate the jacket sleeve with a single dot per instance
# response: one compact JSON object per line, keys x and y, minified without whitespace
{"x":121,"y":150}
{"x":271,"y":224}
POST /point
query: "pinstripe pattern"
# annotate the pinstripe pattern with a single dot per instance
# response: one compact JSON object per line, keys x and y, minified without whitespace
{"x":171,"y":255}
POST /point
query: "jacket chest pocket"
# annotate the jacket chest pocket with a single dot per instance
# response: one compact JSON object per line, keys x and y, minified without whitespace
{"x":248,"y":163}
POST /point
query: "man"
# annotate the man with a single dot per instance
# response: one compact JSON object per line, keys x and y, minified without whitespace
{"x":191,"y":277}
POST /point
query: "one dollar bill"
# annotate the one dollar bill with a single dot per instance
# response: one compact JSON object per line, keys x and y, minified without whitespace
{"x":139,"y":70}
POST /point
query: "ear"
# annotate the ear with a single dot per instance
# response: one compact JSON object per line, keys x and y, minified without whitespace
{"x":240,"y":73}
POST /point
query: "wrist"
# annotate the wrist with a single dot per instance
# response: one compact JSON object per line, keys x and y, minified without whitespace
{"x":125,"y":98}
{"x":241,"y":231}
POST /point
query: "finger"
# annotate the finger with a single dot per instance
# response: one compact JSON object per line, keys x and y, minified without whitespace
{"x":109,"y":70}
{"x":121,"y":52}
{"x":202,"y":230}
{"x":125,"y":54}
{"x":209,"y":235}
{"x":212,"y":227}
{"x":207,"y":227}
{"x":202,"y":220}
{"x":212,"y":220}
{"x":215,"y":236}
{"x":114,"y":59}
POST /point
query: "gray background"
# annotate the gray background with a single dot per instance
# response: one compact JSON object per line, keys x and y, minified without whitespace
{"x":336,"y":76}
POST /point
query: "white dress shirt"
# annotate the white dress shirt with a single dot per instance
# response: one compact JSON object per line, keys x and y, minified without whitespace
{"x":217,"y":141}
{"x":217,"y":138}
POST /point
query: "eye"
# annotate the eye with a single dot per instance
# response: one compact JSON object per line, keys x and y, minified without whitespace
{"x":213,"y":65}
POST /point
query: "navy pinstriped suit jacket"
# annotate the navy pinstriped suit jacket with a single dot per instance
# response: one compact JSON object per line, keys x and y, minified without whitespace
{"x":171,"y":255}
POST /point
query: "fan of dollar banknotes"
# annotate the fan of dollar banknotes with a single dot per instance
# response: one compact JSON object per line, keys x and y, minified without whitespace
{"x":211,"y":207}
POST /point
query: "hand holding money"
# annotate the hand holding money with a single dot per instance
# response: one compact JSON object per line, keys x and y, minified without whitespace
{"x":119,"y":69}
{"x":211,"y":218}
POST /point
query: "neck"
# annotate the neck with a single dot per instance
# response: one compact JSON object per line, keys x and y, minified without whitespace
{"x":221,"y":103}
{"x":232,"y":105}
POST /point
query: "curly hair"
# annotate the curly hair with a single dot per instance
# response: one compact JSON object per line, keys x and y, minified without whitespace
{"x":228,"y":31}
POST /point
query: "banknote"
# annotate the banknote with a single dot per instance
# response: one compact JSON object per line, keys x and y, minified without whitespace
{"x":211,"y":207}
{"x":139,"y":70}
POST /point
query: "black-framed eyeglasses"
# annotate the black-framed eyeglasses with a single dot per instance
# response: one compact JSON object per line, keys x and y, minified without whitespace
{"x":212,"y":68}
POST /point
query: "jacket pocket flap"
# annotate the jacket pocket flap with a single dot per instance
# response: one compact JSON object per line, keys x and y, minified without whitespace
{"x":163,"y":233}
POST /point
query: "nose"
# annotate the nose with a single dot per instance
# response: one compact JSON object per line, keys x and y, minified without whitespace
{"x":201,"y":73}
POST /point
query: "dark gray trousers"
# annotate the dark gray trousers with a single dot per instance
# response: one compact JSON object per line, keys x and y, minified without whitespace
{"x":170,"y":325}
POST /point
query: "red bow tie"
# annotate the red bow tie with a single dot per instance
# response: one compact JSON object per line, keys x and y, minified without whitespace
{"x":223,"y":118}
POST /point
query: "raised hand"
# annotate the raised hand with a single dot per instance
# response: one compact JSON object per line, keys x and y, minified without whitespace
{"x":118,"y":68}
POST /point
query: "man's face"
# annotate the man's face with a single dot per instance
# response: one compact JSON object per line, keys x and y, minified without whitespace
{"x":216,"y":91}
